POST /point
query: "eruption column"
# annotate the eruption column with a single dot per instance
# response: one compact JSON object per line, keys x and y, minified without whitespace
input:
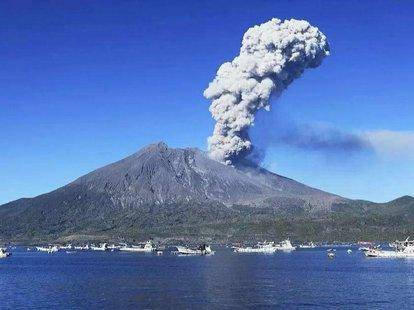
{"x":272,"y":55}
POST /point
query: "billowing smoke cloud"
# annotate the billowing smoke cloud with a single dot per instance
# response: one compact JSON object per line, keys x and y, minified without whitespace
{"x":272,"y":55}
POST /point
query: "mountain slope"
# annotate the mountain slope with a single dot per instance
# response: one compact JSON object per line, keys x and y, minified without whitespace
{"x":168,"y":192}
{"x":158,"y":174}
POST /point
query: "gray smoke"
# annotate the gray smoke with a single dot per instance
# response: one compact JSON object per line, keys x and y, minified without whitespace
{"x":321,"y":138}
{"x":272,"y":55}
{"x":318,"y":137}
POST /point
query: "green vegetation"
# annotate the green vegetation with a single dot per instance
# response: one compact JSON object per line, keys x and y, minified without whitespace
{"x":350,"y":221}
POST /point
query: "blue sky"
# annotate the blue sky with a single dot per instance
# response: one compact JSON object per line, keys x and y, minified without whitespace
{"x":86,"y":83}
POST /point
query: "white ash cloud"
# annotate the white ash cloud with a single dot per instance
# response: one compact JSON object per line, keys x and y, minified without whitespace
{"x":271,"y":57}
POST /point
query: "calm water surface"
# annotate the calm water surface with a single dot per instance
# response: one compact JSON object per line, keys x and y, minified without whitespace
{"x":301,"y":279}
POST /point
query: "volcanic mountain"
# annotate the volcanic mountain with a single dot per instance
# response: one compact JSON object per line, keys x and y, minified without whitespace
{"x":165,"y":192}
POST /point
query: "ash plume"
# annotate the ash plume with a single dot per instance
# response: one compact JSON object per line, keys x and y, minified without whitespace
{"x":323,"y":138}
{"x":271,"y":57}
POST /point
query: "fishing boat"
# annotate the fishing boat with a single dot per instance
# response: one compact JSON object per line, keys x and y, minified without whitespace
{"x":261,"y":247}
{"x":101,"y":247}
{"x":142,"y":248}
{"x":331,"y":253}
{"x":309,"y":245}
{"x":113,"y":248}
{"x":4,"y":253}
{"x":203,"y":249}
{"x":285,"y":245}
{"x":365,"y":246}
{"x":266,"y":247}
{"x":82,"y":247}
{"x":53,"y":249}
{"x":402,"y":249}
{"x":48,"y":249}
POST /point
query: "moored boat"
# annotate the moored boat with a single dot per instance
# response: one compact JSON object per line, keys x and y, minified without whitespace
{"x":203,"y":249}
{"x":113,"y":248}
{"x":261,"y":247}
{"x":365,"y":246}
{"x":143,"y":248}
{"x":4,"y":253}
{"x":101,"y":247}
{"x":309,"y":245}
{"x":402,"y":249}
{"x":285,"y":245}
{"x":266,"y":247}
{"x":48,"y":249}
{"x":331,"y":253}
{"x":82,"y":247}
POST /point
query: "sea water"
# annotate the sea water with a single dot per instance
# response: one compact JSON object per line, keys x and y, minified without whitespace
{"x":300,"y":279}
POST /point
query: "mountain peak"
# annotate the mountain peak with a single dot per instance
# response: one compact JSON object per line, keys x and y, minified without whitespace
{"x":160,"y":146}
{"x":403,"y":200}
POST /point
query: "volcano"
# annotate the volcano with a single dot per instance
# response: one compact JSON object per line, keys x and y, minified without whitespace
{"x":166,"y":192}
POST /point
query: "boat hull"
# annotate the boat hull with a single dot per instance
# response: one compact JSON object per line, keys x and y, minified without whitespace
{"x":253,"y":250}
{"x":389,"y":254}
{"x":136,"y":250}
{"x":186,"y":251}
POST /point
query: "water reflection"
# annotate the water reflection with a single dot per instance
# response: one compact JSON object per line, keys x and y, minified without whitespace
{"x":121,"y":280}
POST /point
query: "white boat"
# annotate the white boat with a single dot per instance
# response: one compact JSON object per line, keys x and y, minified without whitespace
{"x":82,"y":247}
{"x":49,"y":249}
{"x":285,"y":246}
{"x":365,"y":246}
{"x":101,"y":247}
{"x":265,"y":247}
{"x":200,"y":250}
{"x":402,"y":249}
{"x":349,"y":251}
{"x":113,"y":248}
{"x":142,"y":248}
{"x":66,"y":247}
{"x":331,"y":253}
{"x":309,"y":245}
{"x":4,"y":253}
